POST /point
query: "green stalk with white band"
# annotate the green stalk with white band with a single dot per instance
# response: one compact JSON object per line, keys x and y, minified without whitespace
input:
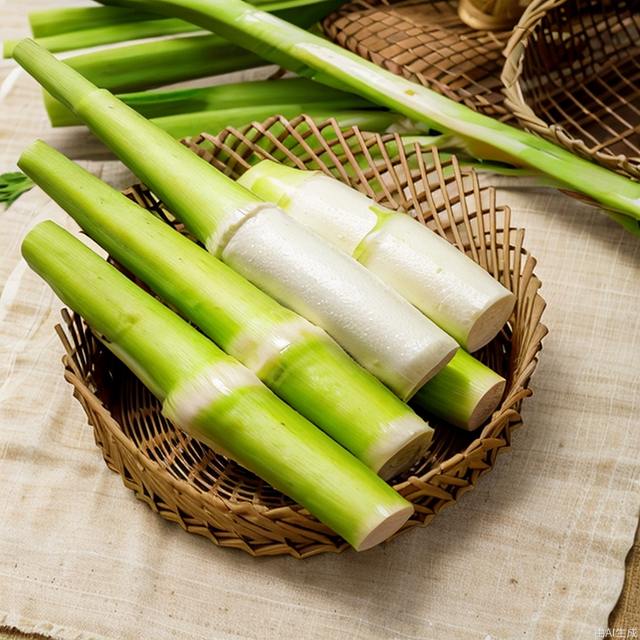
{"x":215,"y":398}
{"x":445,"y":284}
{"x":381,"y":330}
{"x":297,"y":360}
{"x":311,"y":56}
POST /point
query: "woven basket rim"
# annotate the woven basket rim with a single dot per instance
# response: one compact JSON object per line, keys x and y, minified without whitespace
{"x":444,"y":480}
{"x":512,"y":81}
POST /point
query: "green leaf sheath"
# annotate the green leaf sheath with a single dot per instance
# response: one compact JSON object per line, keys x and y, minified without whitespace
{"x":243,"y":418}
{"x":312,"y":374}
{"x":308,"y":55}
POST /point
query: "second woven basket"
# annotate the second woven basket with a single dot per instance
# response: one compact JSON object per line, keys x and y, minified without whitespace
{"x":572,"y":75}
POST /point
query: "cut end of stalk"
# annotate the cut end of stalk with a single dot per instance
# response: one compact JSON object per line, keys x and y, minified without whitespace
{"x":406,"y":453}
{"x":465,"y":393}
{"x":384,"y":524}
{"x":489,"y":323}
{"x":486,"y":405}
{"x":430,"y":374}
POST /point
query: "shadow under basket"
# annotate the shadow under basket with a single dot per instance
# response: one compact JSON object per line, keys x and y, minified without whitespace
{"x":572,"y":75}
{"x":185,"y":481}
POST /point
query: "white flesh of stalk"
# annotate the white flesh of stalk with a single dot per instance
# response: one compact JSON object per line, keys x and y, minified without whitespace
{"x":444,"y":283}
{"x":381,"y":330}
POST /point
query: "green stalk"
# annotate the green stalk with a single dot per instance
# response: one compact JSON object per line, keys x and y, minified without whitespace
{"x":153,"y":342}
{"x":213,"y":397}
{"x":99,"y":35}
{"x":311,"y":56}
{"x":150,"y":64}
{"x":464,"y":393}
{"x":189,"y":124}
{"x":307,"y":369}
{"x":153,"y":154}
{"x":227,"y":97}
{"x":53,"y":22}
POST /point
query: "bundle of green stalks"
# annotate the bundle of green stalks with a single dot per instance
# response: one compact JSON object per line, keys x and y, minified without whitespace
{"x":70,"y":28}
{"x":214,"y":209}
{"x":187,"y":112}
{"x":258,"y":240}
{"x":215,"y":398}
{"x":140,"y":66}
{"x":306,"y":356}
{"x":298,"y":361}
{"x":480,"y":136}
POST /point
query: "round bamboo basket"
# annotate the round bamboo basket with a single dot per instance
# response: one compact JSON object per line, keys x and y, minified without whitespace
{"x":207,"y":494}
{"x":428,"y":43}
{"x":572,"y":75}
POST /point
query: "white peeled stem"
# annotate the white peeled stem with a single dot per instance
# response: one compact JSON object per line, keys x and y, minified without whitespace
{"x":332,"y":210}
{"x":446,"y":285}
{"x":383,"y":332}
{"x":450,"y":288}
